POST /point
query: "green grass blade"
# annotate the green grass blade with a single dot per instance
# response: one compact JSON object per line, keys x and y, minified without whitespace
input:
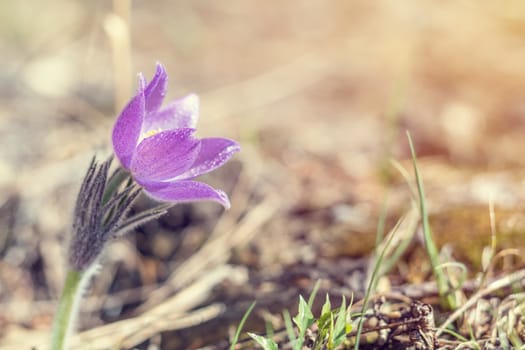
{"x":290,"y":331}
{"x":406,"y":224}
{"x":314,"y":293}
{"x":339,"y":331}
{"x":371,"y":286}
{"x":304,"y":318}
{"x":265,"y":343}
{"x":380,"y":230}
{"x":430,"y":245}
{"x":241,"y":325}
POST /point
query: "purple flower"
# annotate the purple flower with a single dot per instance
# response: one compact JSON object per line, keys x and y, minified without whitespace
{"x":157,"y":145}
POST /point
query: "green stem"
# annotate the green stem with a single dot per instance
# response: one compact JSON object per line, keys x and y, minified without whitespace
{"x":113,"y":183}
{"x":67,"y":309}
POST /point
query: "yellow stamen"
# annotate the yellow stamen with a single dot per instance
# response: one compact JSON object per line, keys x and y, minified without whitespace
{"x":151,"y":133}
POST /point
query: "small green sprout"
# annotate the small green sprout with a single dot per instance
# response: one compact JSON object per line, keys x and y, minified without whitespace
{"x":265,"y":343}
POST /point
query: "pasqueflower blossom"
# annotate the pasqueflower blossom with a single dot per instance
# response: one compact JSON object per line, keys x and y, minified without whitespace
{"x":158,"y":147}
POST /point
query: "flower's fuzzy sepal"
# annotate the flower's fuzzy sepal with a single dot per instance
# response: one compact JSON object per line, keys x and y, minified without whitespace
{"x":101,"y":213}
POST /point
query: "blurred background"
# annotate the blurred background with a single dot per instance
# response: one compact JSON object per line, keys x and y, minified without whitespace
{"x":320,"y":95}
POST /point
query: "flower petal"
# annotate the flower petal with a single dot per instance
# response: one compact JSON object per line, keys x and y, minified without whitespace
{"x":214,"y":152}
{"x":156,"y":89}
{"x":181,"y":113}
{"x":165,"y":155}
{"x":186,"y":191}
{"x":128,"y":126}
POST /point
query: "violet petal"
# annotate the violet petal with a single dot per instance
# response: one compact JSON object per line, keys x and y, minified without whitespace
{"x":128,"y":126}
{"x":186,"y":191}
{"x":156,"y":89}
{"x":214,"y":152}
{"x":165,"y":155}
{"x":181,"y":113}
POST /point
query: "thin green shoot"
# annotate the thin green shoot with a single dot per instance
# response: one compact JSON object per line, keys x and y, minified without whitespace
{"x":489,"y":255}
{"x":371,"y":287}
{"x":265,"y":343}
{"x":432,"y":251}
{"x":395,"y":104}
{"x":473,"y":340}
{"x":290,"y":330}
{"x":303,"y":319}
{"x":455,"y":335}
{"x":323,"y":323}
{"x":392,"y":257}
{"x":339,"y":330}
{"x":311,"y":299}
{"x":380,"y":230}
{"x":406,"y":176}
{"x":269,"y":331}
{"x":241,"y":325}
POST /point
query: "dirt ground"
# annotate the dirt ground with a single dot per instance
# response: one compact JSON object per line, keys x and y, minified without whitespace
{"x":320,"y":95}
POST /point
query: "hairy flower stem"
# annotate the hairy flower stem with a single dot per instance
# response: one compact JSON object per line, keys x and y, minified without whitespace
{"x":100,"y":214}
{"x":67,"y":309}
